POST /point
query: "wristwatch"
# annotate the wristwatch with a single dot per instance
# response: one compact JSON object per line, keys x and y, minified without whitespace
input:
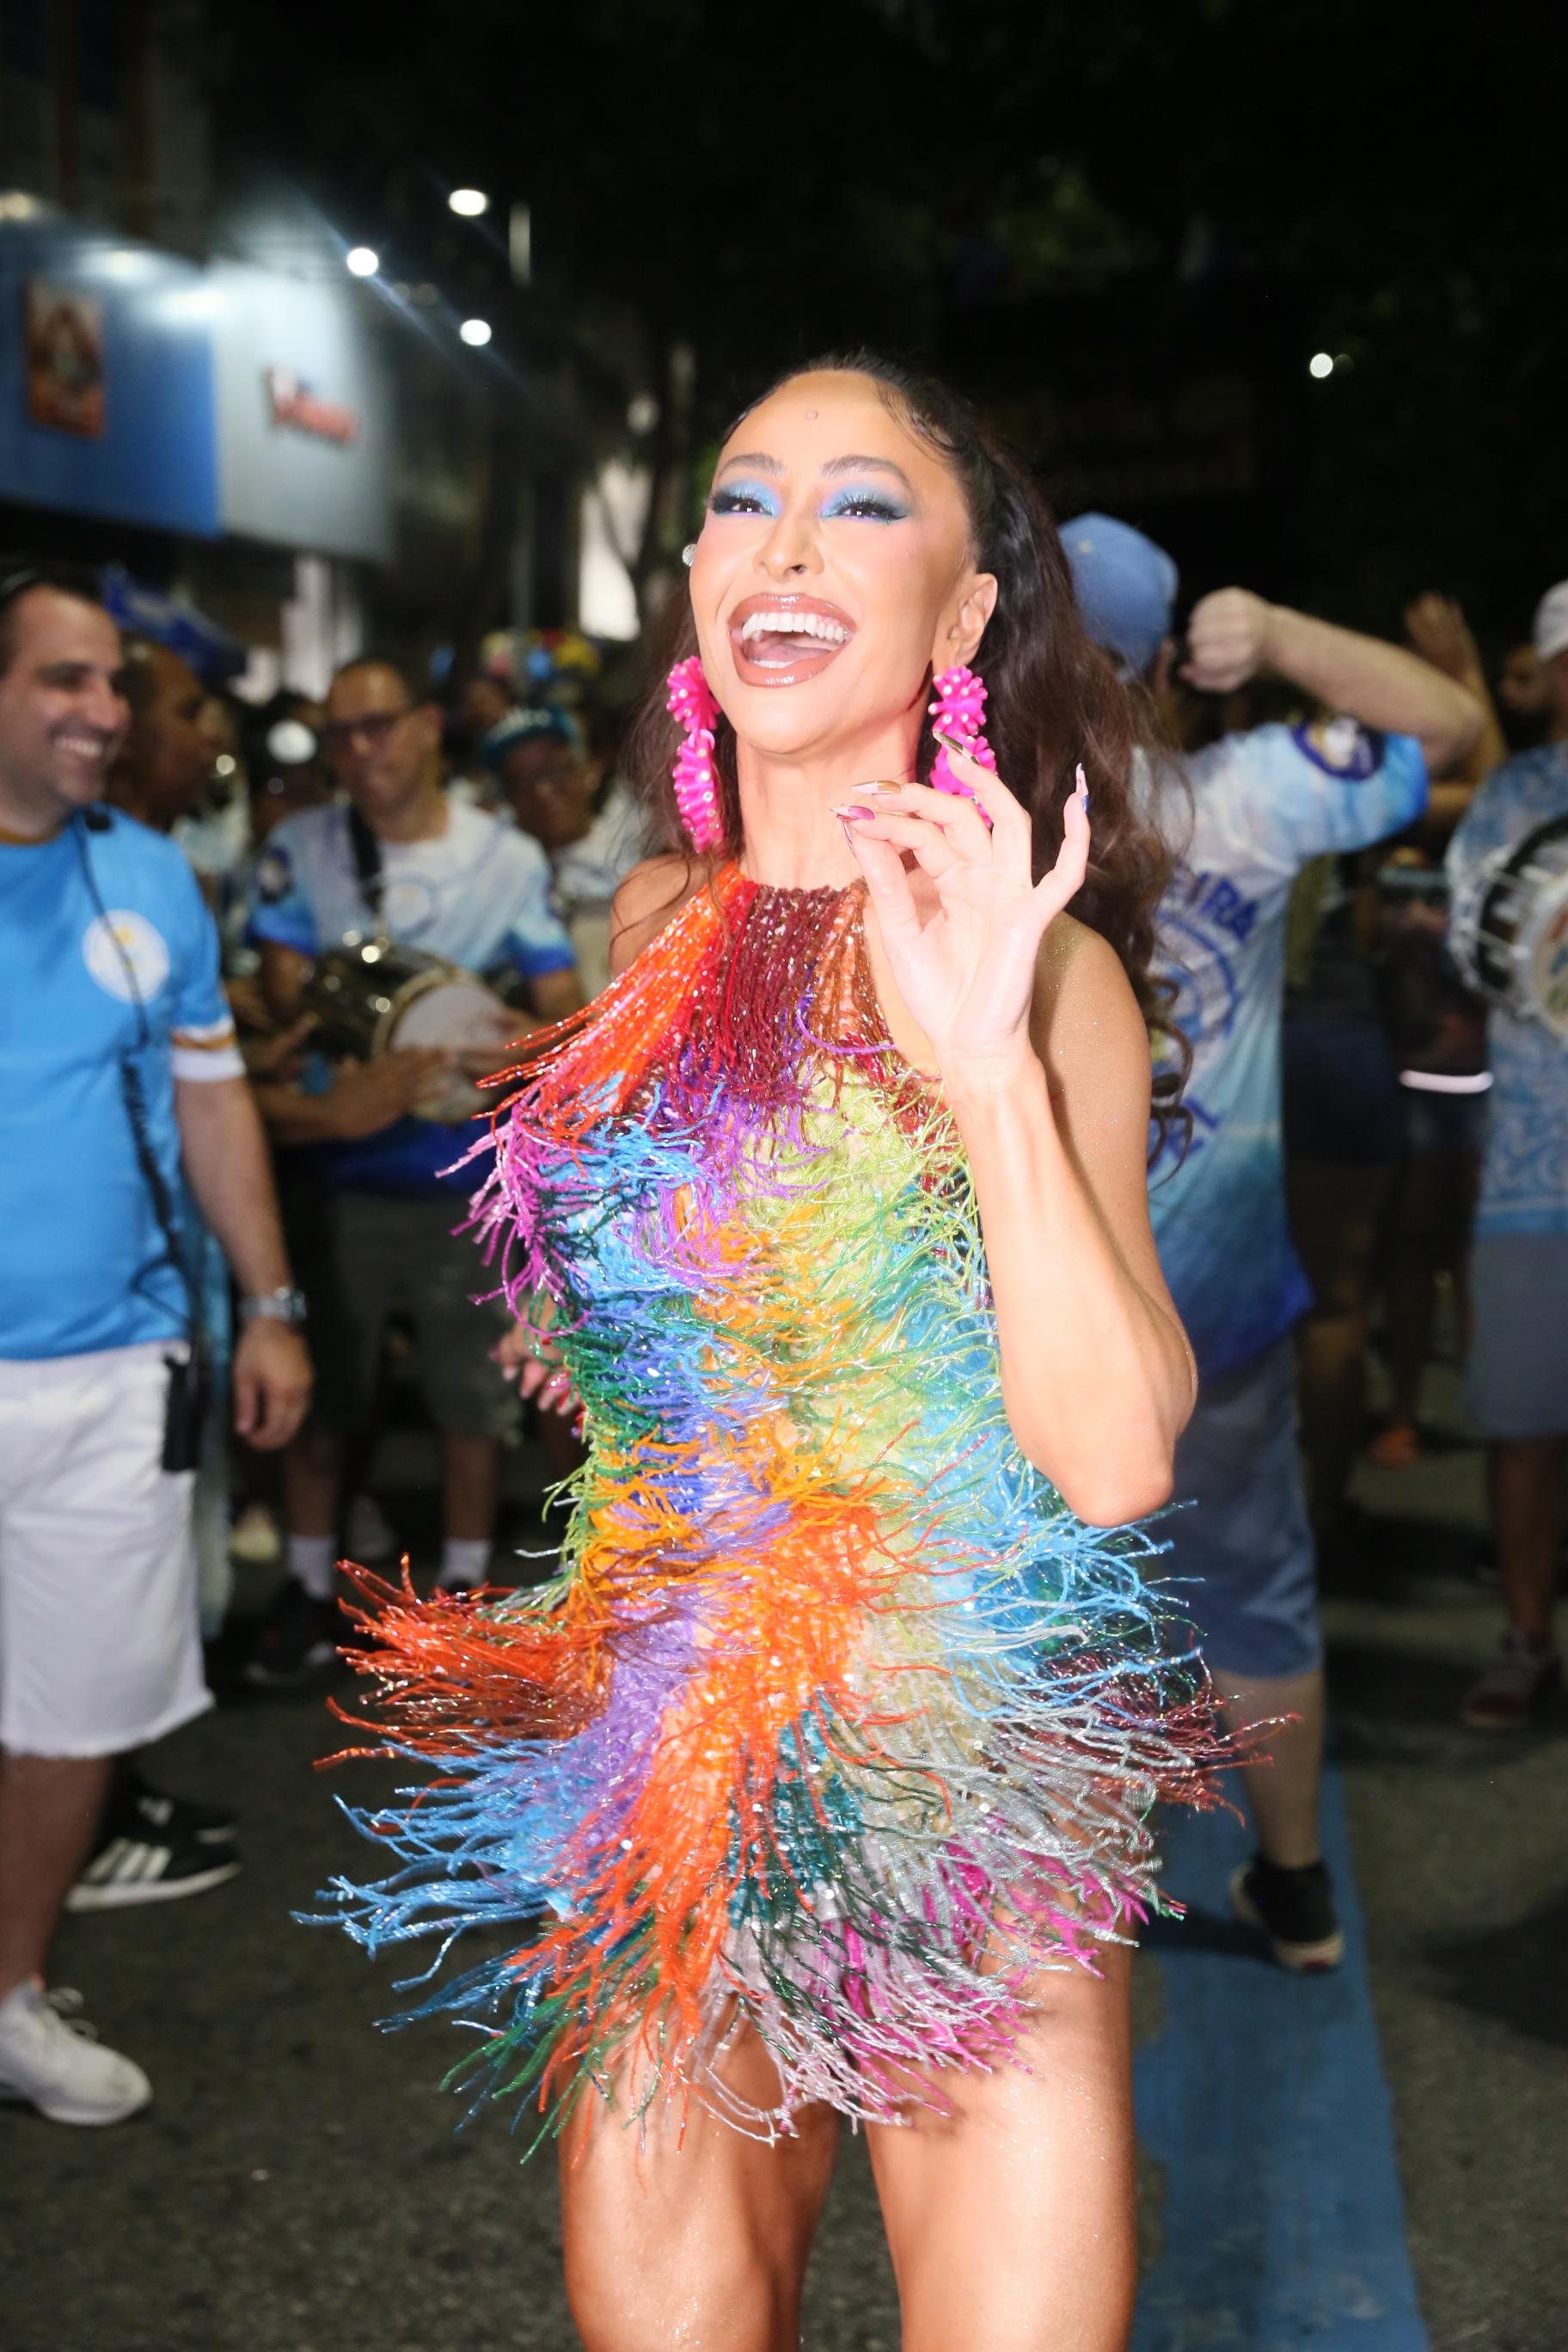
{"x":285,"y":1305}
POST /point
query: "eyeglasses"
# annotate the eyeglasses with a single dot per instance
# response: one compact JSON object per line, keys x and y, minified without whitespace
{"x":372,"y":727}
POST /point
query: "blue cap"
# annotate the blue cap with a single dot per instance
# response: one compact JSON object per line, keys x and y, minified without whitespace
{"x":523,"y":727}
{"x":1126,"y":587}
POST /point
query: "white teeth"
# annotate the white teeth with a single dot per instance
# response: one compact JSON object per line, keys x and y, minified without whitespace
{"x":793,"y":624}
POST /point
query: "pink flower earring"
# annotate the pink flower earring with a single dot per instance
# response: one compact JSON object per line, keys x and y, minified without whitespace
{"x":958,"y":712}
{"x":696,"y":779}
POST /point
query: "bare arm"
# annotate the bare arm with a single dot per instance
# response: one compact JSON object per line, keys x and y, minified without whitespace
{"x":1097,"y":1376}
{"x":225,"y":1159}
{"x":1233,"y":634}
{"x":1044,"y":1061}
{"x":365,"y":1098}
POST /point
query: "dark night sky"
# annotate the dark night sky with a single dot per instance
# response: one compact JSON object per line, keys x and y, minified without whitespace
{"x":1071,"y":210}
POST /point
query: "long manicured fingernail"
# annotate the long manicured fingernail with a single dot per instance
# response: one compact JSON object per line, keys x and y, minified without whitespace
{"x":1082,"y":785}
{"x":851,"y":809}
{"x":952,"y":743}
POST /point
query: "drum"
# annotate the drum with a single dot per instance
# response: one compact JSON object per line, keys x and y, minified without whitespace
{"x":1508,"y":931}
{"x":376,"y":996}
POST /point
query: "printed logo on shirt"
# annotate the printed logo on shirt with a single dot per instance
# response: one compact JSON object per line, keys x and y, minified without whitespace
{"x":1213,"y":900}
{"x":1206,"y":921}
{"x":1342,"y":748}
{"x":126,"y":956}
{"x":273,"y":875}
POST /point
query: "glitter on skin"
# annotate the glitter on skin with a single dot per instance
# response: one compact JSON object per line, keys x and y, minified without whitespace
{"x":835,"y":1716}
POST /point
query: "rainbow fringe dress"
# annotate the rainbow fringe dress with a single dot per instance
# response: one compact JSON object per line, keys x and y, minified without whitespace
{"x":836,"y":1720}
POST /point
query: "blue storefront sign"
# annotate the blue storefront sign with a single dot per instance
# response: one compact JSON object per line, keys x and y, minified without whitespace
{"x":106,"y":379}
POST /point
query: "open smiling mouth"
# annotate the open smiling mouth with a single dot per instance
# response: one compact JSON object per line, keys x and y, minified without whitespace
{"x":782,"y":640}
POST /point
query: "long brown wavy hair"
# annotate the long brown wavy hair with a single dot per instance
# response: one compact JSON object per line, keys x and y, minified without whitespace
{"x":1055,"y":697}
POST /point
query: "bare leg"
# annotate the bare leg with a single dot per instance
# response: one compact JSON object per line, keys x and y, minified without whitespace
{"x":1282,"y":1793}
{"x":1527,"y":1522}
{"x":1011,"y":2221}
{"x":1334,"y":1215}
{"x":694,"y":2242}
{"x":471,"y":1471}
{"x":312,"y":1482}
{"x":49,"y":1811}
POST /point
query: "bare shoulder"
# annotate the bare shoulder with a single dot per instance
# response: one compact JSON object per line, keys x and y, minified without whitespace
{"x":1084,"y":1005}
{"x":652,"y":892}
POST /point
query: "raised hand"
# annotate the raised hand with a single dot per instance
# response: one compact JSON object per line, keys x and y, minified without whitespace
{"x":271,"y":1380}
{"x":963,"y":954}
{"x":527,"y":1356}
{"x":1227,"y":640}
{"x":1438,"y":631}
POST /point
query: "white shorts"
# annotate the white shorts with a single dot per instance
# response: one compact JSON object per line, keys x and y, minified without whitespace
{"x":99,"y":1649}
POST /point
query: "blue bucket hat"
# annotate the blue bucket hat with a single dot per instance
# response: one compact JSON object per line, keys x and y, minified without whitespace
{"x":1126,"y":587}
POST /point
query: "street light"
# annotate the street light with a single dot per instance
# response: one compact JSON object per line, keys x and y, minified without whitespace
{"x":1321,"y":363}
{"x":362,"y":261}
{"x":476,"y":332}
{"x":468,"y":201}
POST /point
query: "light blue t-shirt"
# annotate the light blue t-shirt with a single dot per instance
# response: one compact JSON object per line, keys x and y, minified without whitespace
{"x":1263,"y":805}
{"x":478,"y":894}
{"x":82,"y":1263}
{"x":1525,"y":1175}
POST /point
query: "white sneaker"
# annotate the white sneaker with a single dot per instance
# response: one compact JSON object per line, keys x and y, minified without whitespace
{"x":57,"y":2065}
{"x":368,"y":1537}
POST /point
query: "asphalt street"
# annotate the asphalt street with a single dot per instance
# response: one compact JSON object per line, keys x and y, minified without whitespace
{"x":301,"y":2185}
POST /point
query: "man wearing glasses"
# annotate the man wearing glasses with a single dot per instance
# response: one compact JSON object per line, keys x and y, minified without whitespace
{"x":400,"y":858}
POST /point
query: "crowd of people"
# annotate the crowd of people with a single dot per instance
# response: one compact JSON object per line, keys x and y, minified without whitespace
{"x":230,"y":1169}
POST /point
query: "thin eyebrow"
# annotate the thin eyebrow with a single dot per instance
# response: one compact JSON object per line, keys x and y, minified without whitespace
{"x":873,"y":465}
{"x":757,"y":459}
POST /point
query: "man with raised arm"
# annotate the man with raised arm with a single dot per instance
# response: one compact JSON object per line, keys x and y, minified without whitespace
{"x":1263,"y":803}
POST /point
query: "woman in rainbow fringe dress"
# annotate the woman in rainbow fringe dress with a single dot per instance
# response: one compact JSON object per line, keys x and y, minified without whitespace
{"x":816,"y":1786}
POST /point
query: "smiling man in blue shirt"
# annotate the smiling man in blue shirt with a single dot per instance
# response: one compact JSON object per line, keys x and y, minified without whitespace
{"x":116,"y":1066}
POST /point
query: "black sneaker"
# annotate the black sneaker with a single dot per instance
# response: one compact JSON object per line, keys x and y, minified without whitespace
{"x":133,"y":1865}
{"x":1295,"y":1909}
{"x":296,"y":1638}
{"x":138,"y":1807}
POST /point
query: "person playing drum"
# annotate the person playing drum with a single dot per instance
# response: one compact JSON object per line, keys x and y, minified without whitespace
{"x":401,"y":864}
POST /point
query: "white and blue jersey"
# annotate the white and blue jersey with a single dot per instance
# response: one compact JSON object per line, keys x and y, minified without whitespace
{"x":86,"y":982}
{"x":1264,"y":804}
{"x":1524,"y":1173}
{"x":478,"y":894}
